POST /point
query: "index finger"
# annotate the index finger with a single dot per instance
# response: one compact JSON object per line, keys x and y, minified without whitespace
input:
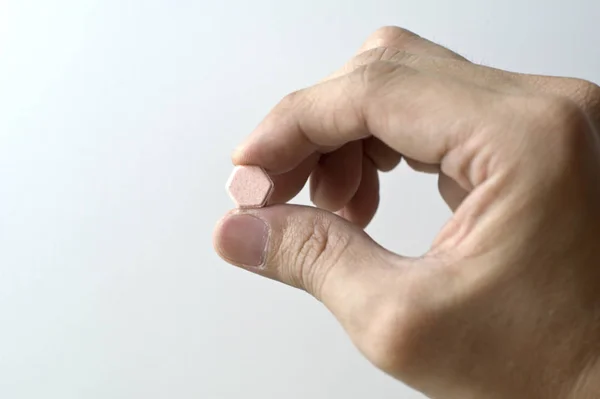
{"x":412,"y":112}
{"x":291,"y":132}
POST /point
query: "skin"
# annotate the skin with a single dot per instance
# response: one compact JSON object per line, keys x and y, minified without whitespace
{"x":506,"y":303}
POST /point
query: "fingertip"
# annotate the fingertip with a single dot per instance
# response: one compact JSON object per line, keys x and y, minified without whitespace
{"x":380,"y":154}
{"x":218,"y":228}
{"x":243,"y":155}
{"x":236,"y":155}
{"x":241,"y":238}
{"x":289,"y":184}
{"x":325,"y":197}
{"x":361,"y":209}
{"x":337,"y":177}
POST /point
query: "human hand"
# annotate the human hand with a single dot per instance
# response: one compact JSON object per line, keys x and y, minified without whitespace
{"x":506,"y":304}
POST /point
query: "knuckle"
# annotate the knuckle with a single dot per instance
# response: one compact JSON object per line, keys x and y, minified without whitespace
{"x":563,"y":114}
{"x":317,"y":247}
{"x":380,"y":61}
{"x":393,"y":36}
{"x":562,"y":130}
{"x":292,"y":100}
{"x":377,"y":74}
{"x":585,"y":93}
{"x":380,"y":54}
{"x":558,"y":108}
{"x":555,"y":113}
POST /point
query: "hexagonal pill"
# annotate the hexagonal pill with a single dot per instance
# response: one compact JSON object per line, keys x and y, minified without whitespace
{"x":249,"y":187}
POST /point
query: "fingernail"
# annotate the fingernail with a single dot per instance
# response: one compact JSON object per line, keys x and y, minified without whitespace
{"x":244,"y":240}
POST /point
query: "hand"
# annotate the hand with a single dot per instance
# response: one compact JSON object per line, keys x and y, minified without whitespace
{"x":506,"y":304}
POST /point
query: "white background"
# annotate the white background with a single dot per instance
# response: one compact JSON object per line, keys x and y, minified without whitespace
{"x":117,"y":119}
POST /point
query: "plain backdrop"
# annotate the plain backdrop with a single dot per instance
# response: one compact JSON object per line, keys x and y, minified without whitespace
{"x":117,"y":119}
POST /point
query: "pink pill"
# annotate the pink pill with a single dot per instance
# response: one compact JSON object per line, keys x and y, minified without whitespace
{"x":249,"y":187}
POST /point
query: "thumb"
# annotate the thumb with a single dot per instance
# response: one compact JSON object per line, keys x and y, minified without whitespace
{"x":314,"y":250}
{"x":387,"y":304}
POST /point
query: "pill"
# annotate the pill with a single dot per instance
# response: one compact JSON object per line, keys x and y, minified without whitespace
{"x":249,"y":187}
